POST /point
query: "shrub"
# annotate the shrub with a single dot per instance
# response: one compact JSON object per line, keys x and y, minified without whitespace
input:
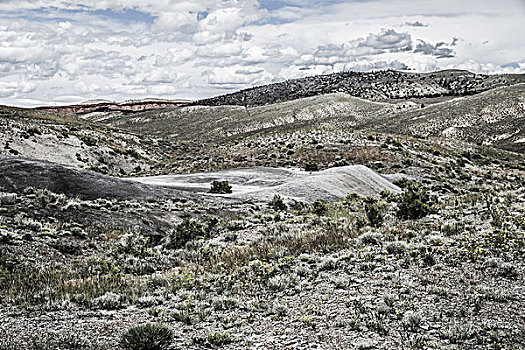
{"x":374,"y":212}
{"x":220,"y":187}
{"x":186,"y":231}
{"x":7,"y":198}
{"x":108,"y":301}
{"x":297,"y":205}
{"x":147,"y":336}
{"x":63,"y":341}
{"x":277,"y":203}
{"x":319,"y":207}
{"x":371,"y":238}
{"x":219,"y":339}
{"x":133,"y":245}
{"x":414,"y":202}
{"x":311,"y":166}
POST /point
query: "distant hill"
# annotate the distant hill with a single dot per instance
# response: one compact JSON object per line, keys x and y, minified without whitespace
{"x":101,"y":105}
{"x":494,"y":117}
{"x":376,"y":86}
{"x":155,"y":136}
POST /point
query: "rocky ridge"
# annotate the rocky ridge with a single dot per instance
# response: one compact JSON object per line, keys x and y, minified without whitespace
{"x":377,"y":86}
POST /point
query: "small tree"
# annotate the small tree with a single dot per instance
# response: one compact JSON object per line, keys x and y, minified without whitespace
{"x":414,"y":203}
{"x":277,"y":203}
{"x":374,"y":212}
{"x":220,"y":187}
{"x":186,"y":231}
{"x":311,"y":166}
{"x":319,"y":207}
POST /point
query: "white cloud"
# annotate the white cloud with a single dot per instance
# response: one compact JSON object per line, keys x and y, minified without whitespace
{"x":389,"y":40}
{"x":486,"y":68}
{"x":235,"y":76}
{"x":55,"y":51}
{"x":13,"y":89}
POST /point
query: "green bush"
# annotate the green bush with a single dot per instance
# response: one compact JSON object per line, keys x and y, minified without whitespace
{"x":186,"y":231}
{"x":374,"y":212}
{"x":277,"y":203}
{"x":147,"y":336}
{"x":311,"y":166}
{"x":319,"y":207}
{"x":220,"y":187}
{"x":414,"y":202}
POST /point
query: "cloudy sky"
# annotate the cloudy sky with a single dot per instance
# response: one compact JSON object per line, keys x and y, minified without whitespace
{"x":62,"y":52}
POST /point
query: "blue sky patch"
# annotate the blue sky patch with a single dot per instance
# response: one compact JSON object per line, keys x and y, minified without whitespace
{"x":55,"y":14}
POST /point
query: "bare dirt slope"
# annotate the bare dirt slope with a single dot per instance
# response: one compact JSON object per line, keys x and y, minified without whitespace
{"x":495,"y":117}
{"x":261,"y":184}
{"x":217,"y":123}
{"x":16,"y":174}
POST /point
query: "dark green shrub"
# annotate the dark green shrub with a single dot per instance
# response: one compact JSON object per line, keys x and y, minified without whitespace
{"x":311,"y":166}
{"x":297,"y":205}
{"x":319,"y":207}
{"x":374,"y":212}
{"x":186,"y":231}
{"x":220,"y":187}
{"x":147,"y":336}
{"x":403,"y":183}
{"x":277,"y":203}
{"x":414,"y":202}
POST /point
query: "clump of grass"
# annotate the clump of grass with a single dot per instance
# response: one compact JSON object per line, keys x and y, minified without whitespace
{"x":23,"y":282}
{"x":219,"y":339}
{"x":147,"y":336}
{"x":396,"y":247}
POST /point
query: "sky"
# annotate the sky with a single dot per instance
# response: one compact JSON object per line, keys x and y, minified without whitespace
{"x":56,"y":52}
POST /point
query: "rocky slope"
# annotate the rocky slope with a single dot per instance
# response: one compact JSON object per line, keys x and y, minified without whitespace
{"x":222,"y":123}
{"x":381,"y":85}
{"x":495,"y":118}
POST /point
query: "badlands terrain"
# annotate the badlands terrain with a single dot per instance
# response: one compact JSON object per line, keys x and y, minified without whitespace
{"x":380,"y":210}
